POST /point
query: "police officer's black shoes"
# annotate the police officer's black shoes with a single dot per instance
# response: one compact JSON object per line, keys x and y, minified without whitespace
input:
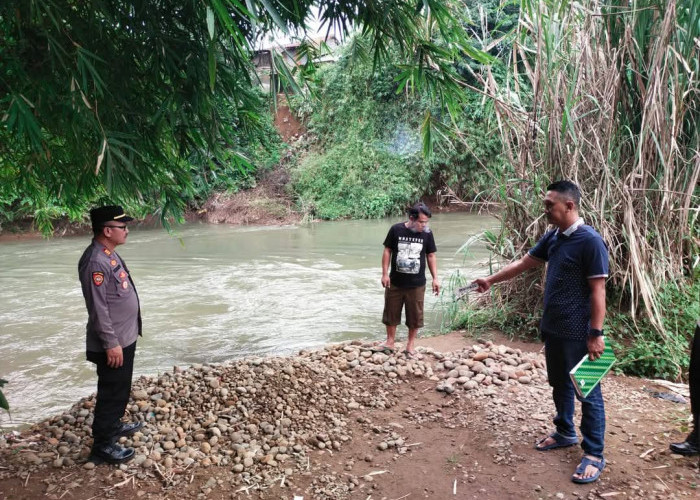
{"x":687,"y":448}
{"x":110,"y":453}
{"x":127,"y":429}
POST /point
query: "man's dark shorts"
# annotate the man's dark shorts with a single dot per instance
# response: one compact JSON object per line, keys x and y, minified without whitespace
{"x":394,"y":300}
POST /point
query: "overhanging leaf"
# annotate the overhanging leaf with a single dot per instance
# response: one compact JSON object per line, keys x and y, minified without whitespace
{"x":210,"y":22}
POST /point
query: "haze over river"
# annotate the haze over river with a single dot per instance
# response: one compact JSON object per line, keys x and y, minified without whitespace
{"x":209,"y":294}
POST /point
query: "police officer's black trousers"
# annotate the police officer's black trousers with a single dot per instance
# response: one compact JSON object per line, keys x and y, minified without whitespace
{"x":694,"y":383}
{"x":113,"y":389}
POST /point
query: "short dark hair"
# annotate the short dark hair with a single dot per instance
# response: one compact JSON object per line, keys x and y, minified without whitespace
{"x":417,"y":209}
{"x":568,"y":189}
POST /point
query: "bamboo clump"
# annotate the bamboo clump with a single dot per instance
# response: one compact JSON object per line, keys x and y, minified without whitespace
{"x":607,"y":94}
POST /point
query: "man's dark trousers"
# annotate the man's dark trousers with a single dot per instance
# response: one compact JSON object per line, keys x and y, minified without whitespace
{"x":113,"y":389}
{"x":694,"y":383}
{"x":562,"y":355}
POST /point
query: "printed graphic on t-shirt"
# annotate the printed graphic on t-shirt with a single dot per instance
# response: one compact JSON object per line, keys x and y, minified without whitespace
{"x":408,"y":256}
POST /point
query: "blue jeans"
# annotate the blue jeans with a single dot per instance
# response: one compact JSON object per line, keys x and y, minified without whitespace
{"x":562,"y":355}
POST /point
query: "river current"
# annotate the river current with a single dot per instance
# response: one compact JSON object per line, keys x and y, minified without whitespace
{"x":209,"y":293}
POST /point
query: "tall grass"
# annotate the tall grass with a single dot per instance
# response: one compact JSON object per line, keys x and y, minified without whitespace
{"x":607,"y":94}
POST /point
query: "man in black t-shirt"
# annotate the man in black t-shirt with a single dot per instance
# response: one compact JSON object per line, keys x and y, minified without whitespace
{"x":407,"y":248}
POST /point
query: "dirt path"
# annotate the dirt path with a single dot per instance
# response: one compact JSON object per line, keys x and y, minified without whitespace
{"x":480,"y":447}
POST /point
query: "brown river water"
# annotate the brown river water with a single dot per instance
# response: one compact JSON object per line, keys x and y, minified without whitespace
{"x":208,"y":294}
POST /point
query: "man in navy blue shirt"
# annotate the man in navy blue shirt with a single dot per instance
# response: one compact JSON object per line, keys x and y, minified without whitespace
{"x":572,"y":320}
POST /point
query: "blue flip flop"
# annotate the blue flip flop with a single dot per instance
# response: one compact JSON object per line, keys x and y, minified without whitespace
{"x":559,"y":442}
{"x":585,"y":462}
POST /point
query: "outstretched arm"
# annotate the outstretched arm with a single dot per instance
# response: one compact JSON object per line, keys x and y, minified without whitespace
{"x":508,"y":272}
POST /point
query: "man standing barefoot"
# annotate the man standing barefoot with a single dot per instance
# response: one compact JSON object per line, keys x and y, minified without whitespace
{"x":407,"y":247}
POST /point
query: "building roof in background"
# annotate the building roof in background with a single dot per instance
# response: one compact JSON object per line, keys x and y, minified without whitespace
{"x":314,"y":33}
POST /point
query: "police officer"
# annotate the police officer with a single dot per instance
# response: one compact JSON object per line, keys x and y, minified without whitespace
{"x":114,"y":322}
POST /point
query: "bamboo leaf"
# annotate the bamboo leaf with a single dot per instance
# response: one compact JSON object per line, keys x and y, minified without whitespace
{"x":212,"y":65}
{"x":426,"y":133}
{"x":210,"y":23}
{"x":101,"y":156}
{"x":270,"y":8}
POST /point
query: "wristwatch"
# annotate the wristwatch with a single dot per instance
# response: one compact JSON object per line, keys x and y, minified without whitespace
{"x":594,"y":332}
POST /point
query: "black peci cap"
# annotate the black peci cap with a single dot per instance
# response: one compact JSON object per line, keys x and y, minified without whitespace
{"x":100,"y":215}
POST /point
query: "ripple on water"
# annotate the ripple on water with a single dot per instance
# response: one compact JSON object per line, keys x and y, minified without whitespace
{"x":209,"y":294}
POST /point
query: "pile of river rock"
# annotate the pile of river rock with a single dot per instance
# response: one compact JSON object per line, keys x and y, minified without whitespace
{"x":260,"y":417}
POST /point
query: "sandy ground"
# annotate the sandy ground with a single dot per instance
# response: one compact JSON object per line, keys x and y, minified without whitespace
{"x":458,"y":447}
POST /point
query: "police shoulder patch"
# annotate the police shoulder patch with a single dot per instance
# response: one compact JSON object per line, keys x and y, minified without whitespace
{"x":98,"y":278}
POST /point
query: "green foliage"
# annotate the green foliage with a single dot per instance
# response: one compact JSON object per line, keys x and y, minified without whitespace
{"x":610,"y":134}
{"x":643,"y":350}
{"x":357,"y":180}
{"x":110,"y":100}
{"x":481,"y":313}
{"x":474,"y":162}
{"x":366,"y":113}
{"x":236,"y":167}
{"x":491,"y":25}
{"x":120,"y":100}
{"x":367,"y":160}
{"x":513,"y":322}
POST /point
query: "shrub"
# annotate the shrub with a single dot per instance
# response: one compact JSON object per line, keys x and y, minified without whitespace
{"x":357,"y":180}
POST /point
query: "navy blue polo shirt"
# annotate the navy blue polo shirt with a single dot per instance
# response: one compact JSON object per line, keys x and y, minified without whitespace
{"x":571,"y":261}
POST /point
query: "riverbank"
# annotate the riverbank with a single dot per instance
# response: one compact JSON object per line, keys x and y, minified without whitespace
{"x":267,"y":204}
{"x":344,"y":422}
